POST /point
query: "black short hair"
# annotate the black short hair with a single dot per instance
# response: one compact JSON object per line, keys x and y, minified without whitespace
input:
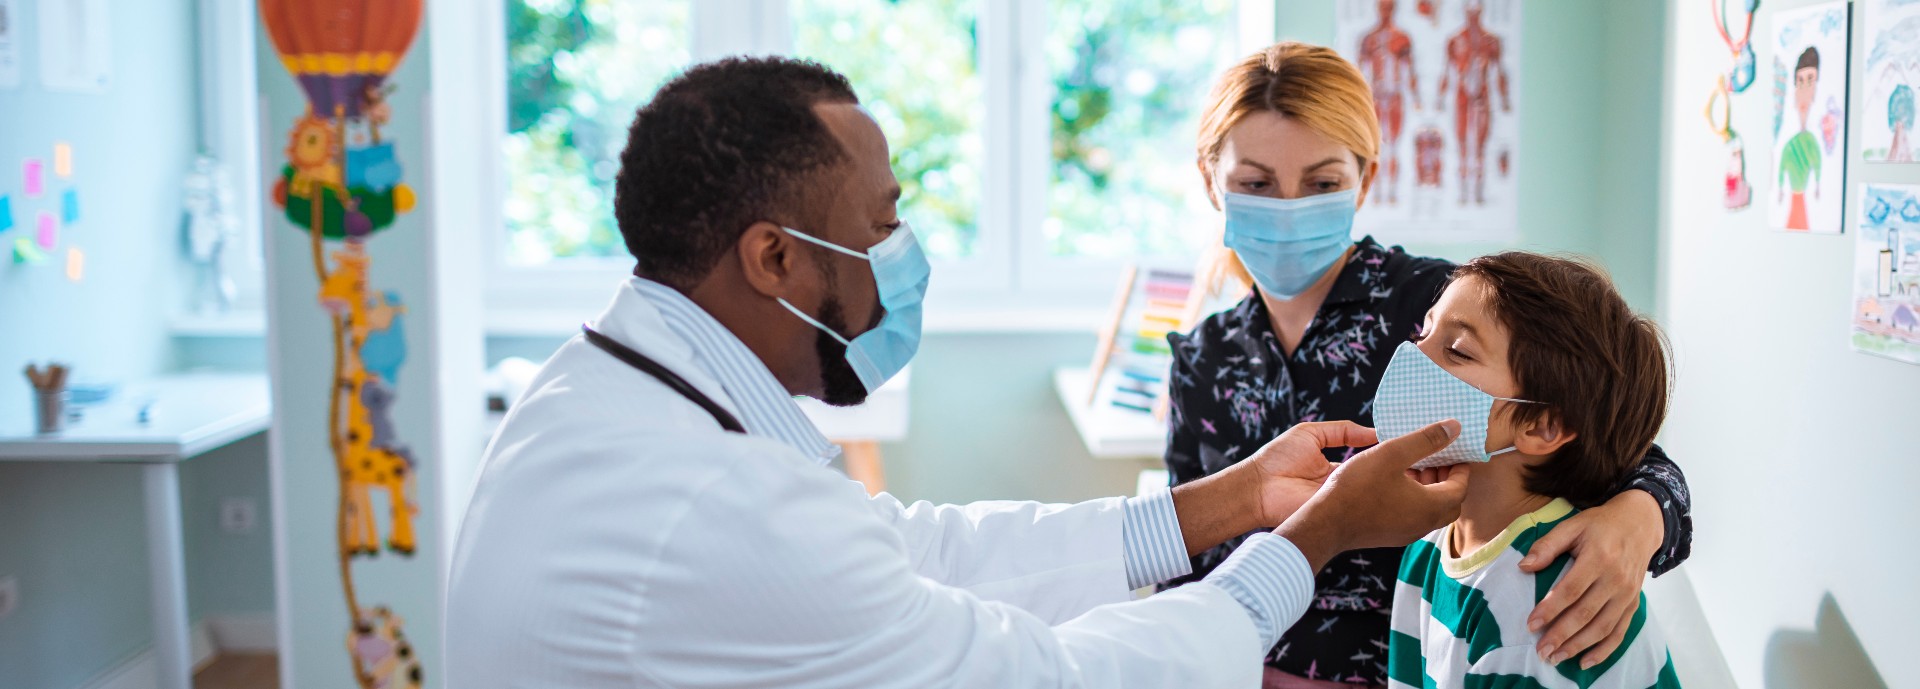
{"x":1809,"y":59}
{"x":720,"y":147}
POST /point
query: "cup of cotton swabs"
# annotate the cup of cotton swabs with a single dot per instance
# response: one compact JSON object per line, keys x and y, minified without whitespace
{"x":49,"y":397}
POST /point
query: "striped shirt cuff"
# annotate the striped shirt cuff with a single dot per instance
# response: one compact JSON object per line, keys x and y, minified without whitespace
{"x":1155,"y":549}
{"x":1269,"y":576}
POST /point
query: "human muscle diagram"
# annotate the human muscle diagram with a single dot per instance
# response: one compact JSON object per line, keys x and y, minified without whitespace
{"x":1445,"y":76}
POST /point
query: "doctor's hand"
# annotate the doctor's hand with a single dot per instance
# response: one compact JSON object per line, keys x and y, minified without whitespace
{"x":1264,"y":489}
{"x":1372,"y":500}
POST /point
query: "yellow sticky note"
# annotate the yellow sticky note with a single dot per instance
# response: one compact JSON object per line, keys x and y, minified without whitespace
{"x":76,"y":264}
{"x":62,"y":159}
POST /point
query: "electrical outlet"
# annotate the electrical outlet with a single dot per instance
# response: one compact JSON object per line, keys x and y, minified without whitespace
{"x":237,"y":515}
{"x":9,"y":596}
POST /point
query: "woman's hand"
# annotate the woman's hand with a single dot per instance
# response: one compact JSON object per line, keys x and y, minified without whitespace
{"x":1593,"y":604}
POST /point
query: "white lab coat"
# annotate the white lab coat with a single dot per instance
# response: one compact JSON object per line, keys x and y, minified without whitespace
{"x":619,"y":538}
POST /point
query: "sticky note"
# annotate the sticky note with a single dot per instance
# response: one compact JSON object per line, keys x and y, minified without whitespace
{"x":24,"y":252}
{"x":30,"y":175}
{"x":62,"y":159}
{"x":6,"y":213}
{"x":48,"y":233}
{"x":70,"y":206}
{"x":76,"y":264}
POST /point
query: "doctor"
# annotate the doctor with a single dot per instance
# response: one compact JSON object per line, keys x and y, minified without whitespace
{"x":656,"y":511}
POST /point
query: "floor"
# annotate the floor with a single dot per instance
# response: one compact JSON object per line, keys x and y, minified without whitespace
{"x":240,"y":671}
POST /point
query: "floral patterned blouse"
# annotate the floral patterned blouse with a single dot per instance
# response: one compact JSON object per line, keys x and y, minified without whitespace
{"x":1233,"y":390}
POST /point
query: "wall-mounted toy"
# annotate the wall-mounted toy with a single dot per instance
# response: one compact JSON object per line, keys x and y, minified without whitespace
{"x":342,"y":183}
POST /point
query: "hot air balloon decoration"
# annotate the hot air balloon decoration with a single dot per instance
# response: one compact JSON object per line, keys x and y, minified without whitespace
{"x":342,"y":182}
{"x":341,"y":176}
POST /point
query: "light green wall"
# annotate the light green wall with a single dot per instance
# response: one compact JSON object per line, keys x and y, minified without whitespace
{"x":74,"y":535}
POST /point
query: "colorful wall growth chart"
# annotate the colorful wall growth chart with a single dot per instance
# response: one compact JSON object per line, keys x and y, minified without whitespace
{"x":1893,"y":74}
{"x":1886,"y":273}
{"x":1810,"y":119}
{"x":341,"y":186}
{"x":1446,"y":88}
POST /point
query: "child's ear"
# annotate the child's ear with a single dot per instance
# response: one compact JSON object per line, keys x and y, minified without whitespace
{"x":1542,"y":436}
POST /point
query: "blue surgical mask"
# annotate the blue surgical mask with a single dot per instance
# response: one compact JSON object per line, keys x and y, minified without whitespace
{"x":1415,"y":392}
{"x":900,"y":273}
{"x":1287,"y":244}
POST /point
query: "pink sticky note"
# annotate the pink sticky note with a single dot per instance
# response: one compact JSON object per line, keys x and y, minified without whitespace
{"x":49,"y":231}
{"x":31,"y":171}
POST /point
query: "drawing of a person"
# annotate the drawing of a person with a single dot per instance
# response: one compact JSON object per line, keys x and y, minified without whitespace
{"x":1900,"y":120}
{"x":1474,"y":54}
{"x":1386,"y":56}
{"x":1800,"y":158}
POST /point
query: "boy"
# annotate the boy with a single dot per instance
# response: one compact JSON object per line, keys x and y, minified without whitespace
{"x":1559,"y":389}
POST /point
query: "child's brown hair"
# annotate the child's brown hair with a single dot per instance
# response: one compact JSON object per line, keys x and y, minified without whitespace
{"x":1595,"y":366}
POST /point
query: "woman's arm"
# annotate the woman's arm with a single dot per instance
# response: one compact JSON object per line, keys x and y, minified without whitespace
{"x":1648,"y":524}
{"x":1662,"y":480}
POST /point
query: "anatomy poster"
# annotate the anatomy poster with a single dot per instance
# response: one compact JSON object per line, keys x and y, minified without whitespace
{"x":1809,"y":119}
{"x":1893,"y":73}
{"x":1446,"y":87}
{"x":1886,"y":273}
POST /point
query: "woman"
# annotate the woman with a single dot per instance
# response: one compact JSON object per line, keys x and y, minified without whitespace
{"x":1288,"y":149}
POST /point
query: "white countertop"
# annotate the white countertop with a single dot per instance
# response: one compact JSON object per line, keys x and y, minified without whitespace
{"x":1108,"y":432}
{"x":190,"y":414}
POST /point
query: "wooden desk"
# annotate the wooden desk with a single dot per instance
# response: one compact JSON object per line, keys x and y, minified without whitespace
{"x":189,"y":415}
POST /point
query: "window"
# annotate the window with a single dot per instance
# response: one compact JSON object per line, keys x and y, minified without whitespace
{"x":1129,"y":78}
{"x":1039,"y":144}
{"x":931,"y":111}
{"x":576,"y":71}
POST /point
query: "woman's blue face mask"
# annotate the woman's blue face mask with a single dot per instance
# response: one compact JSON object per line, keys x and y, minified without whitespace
{"x":1287,"y":244}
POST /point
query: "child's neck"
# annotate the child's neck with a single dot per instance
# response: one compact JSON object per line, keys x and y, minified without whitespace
{"x":1496,"y":496}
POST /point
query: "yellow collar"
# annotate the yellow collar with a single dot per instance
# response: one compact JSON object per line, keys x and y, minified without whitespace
{"x":1458,"y":567}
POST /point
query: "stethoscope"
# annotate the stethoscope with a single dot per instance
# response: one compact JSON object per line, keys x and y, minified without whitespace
{"x":672,"y":380}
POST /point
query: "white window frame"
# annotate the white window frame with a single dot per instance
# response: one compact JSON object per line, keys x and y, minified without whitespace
{"x":229,"y":130}
{"x":1010,"y":282}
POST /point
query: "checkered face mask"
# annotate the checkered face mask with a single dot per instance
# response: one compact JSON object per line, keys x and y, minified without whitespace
{"x":1415,"y":392}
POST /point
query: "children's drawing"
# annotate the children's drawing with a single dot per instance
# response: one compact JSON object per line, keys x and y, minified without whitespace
{"x":1893,"y":72}
{"x":1886,"y":273}
{"x":1445,"y":80}
{"x":1810,"y":144}
{"x":342,"y":183}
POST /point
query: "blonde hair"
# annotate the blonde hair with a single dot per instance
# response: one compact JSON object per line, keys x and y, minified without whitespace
{"x":1310,"y":83}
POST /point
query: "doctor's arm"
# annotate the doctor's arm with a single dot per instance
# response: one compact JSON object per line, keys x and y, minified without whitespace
{"x":813,"y":590}
{"x":998,"y":550}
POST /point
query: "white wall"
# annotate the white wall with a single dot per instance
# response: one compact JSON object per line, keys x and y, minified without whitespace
{"x":1803,"y":455}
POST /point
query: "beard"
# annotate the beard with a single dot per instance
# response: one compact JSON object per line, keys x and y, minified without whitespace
{"x":841,"y":384}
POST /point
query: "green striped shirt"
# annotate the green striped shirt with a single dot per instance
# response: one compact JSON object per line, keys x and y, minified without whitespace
{"x":1462,"y":622}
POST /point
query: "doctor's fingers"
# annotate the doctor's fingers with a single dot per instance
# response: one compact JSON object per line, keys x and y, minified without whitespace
{"x":1325,"y":434}
{"x":1399,"y":454}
